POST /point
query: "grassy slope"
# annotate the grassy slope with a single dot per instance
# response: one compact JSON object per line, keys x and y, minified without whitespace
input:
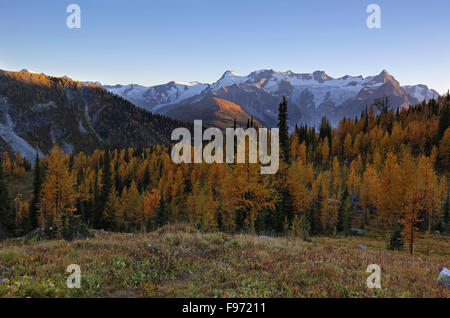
{"x":181,"y":262}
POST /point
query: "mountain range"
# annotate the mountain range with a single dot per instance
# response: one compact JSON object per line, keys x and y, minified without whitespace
{"x":39,"y":111}
{"x":310,"y":95}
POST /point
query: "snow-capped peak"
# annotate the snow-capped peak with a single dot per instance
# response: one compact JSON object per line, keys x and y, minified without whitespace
{"x":311,"y":89}
{"x":230,"y":73}
{"x":229,"y":78}
{"x":188,"y":83}
{"x":27,"y":71}
{"x":420,"y":92}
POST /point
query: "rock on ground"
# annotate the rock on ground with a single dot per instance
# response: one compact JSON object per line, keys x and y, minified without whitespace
{"x":444,"y":277}
{"x":358,"y":232}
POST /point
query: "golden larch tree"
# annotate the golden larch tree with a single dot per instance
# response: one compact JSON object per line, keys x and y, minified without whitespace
{"x":58,"y":191}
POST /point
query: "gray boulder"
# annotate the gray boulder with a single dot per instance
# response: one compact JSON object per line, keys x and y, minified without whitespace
{"x":444,"y":277}
{"x":358,"y":232}
{"x":362,"y":247}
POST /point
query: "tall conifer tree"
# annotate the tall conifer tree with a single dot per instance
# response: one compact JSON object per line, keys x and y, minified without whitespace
{"x":6,"y":213}
{"x":284,"y":130}
{"x":105,"y":190}
{"x":37,"y":188}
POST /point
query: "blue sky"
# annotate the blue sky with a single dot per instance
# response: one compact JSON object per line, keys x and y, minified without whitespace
{"x":155,"y":41}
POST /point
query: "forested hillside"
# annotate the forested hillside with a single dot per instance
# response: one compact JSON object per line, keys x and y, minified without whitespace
{"x":38,"y":112}
{"x":387,"y":171}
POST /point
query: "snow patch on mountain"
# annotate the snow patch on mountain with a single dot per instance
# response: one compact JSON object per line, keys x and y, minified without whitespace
{"x":323,"y":87}
{"x":176,"y":92}
{"x":128,"y":91}
{"x":27,"y":71}
{"x":155,"y":97}
{"x":421,"y":92}
{"x":311,"y":95}
{"x":81,"y":127}
{"x":229,"y":78}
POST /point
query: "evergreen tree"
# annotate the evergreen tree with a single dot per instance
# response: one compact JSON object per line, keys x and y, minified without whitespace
{"x":284,"y":130}
{"x":95,"y":216}
{"x":444,"y":120}
{"x":6,"y":212}
{"x":345,"y":214}
{"x":37,"y":188}
{"x":446,"y":214}
{"x":107,"y":184}
{"x":325,"y":130}
{"x":162,"y":217}
{"x":284,"y":205}
{"x":146,"y":179}
{"x":382,"y":104}
{"x":71,"y":158}
{"x":395,"y":240}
